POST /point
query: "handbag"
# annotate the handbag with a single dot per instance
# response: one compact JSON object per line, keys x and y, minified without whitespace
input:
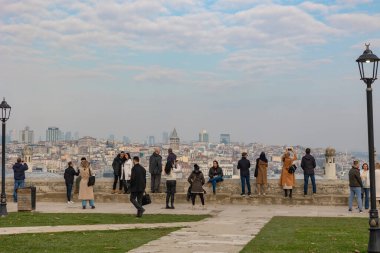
{"x":292,"y":169}
{"x":146,"y":199}
{"x":91,"y":179}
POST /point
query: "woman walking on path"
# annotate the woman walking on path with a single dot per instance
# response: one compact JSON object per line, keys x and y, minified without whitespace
{"x":262,"y":177}
{"x":171,"y":182}
{"x":197,"y":180}
{"x":364,"y":175}
{"x":287,"y":180}
{"x":86,"y":193}
{"x":126,"y":171}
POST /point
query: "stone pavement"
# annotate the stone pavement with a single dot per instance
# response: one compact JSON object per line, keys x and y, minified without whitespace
{"x":228,"y":230}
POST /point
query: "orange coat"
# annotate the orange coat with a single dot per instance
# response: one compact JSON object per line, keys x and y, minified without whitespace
{"x":287,"y":178}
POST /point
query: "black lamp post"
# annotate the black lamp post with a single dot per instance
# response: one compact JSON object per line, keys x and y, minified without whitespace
{"x":368,"y":64}
{"x":5,"y":112}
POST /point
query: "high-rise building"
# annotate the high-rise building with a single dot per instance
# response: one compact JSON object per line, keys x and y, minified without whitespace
{"x":76,"y":136}
{"x":151,"y":140}
{"x":126,"y":140}
{"x":174,"y":140}
{"x":68,"y":136}
{"x":225,"y":138}
{"x":203,"y":136}
{"x":111,"y":138}
{"x":53,"y":134}
{"x":13,"y":135}
{"x":165,"y":138}
{"x":27,"y":136}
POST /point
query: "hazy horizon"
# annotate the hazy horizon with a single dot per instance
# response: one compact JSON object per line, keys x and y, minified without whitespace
{"x":273,"y":72}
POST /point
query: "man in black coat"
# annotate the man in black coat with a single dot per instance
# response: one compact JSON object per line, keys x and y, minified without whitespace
{"x":138,"y":184}
{"x":171,"y":156}
{"x":155,"y":170}
{"x":116,"y":165}
{"x":69,"y":180}
{"x":243,"y":166}
{"x":19,"y":175}
{"x":308,"y":165}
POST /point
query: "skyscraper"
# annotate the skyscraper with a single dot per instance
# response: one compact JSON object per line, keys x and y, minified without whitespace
{"x":165,"y":138}
{"x":53,"y":134}
{"x":203,"y":136}
{"x":27,"y":136}
{"x":151,"y":140}
{"x":225,"y":138}
{"x":174,"y":140}
{"x":68,"y":136}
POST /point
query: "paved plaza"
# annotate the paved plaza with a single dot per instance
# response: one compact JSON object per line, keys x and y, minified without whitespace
{"x":229,"y":229}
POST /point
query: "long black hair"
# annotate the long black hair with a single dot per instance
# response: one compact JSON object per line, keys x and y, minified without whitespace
{"x":263,"y":157}
{"x":168,"y":167}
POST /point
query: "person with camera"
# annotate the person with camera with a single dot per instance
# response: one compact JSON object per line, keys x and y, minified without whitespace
{"x":19,"y":175}
{"x":287,"y":179}
{"x":69,"y":180}
{"x":86,"y":192}
{"x":308,"y":165}
{"x":262,"y":173}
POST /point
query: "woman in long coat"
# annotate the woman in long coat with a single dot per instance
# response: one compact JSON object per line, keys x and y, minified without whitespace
{"x":85,"y":192}
{"x":288,"y":180}
{"x":262,"y":173}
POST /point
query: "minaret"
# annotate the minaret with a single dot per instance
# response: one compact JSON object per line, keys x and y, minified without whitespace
{"x":330,"y":166}
{"x":27,"y":157}
{"x":174,"y":140}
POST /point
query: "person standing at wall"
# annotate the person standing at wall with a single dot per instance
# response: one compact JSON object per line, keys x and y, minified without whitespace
{"x":171,"y":182}
{"x":19,"y":169}
{"x":243,"y":166}
{"x":155,"y":170}
{"x":116,"y":165}
{"x":364,"y":175}
{"x":69,"y":180}
{"x":86,"y":193}
{"x":287,"y":179}
{"x":308,"y":165}
{"x":262,"y":174}
{"x":356,"y":186}
{"x":196,"y":180}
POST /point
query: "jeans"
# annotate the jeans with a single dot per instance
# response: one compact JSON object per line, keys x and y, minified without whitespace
{"x":69,"y":188}
{"x":358,"y":192}
{"x":18,"y":184}
{"x":215,"y":180}
{"x":365,"y":191}
{"x":306,"y":183}
{"x":245,"y":179}
{"x":92,"y":202}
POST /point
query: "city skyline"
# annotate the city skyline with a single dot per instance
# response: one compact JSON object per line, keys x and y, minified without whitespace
{"x":273,"y":72}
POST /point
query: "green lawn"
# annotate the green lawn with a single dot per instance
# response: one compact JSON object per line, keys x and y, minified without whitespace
{"x":21,"y":219}
{"x":89,"y":241}
{"x":312,"y":235}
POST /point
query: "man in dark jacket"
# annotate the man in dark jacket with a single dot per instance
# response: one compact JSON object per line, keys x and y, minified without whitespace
{"x":116,"y":165}
{"x":243,"y":166}
{"x":19,"y":175}
{"x":69,"y":180}
{"x":308,"y":165}
{"x":356,"y":186}
{"x":171,"y":156}
{"x":155,"y":170}
{"x":138,"y":184}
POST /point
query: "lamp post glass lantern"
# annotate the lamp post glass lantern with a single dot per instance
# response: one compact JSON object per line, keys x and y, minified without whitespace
{"x":368,"y":64}
{"x":4,"y":116}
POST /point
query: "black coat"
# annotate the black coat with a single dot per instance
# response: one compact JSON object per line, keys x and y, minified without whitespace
{"x":243,"y":166}
{"x":171,"y":158}
{"x":155,"y":164}
{"x":308,"y":164}
{"x":116,"y":165}
{"x":19,"y":171}
{"x":212,"y":172}
{"x":138,"y":178}
{"x":69,"y":175}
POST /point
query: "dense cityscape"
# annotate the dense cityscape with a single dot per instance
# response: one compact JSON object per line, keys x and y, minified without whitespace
{"x":49,"y":157}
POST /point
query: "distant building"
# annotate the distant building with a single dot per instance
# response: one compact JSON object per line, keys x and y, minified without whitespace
{"x":126,"y":140}
{"x":165,"y":138}
{"x":203,"y":136}
{"x":68,"y":136}
{"x":53,"y":134}
{"x":86,"y":141}
{"x":27,"y":154}
{"x":111,"y":138}
{"x":225,"y":139}
{"x":330,"y":166}
{"x":174,"y":140}
{"x":13,"y":135}
{"x":27,"y":136}
{"x":151,"y":140}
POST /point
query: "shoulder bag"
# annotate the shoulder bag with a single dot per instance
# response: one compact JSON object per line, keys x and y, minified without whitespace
{"x":91,"y":179}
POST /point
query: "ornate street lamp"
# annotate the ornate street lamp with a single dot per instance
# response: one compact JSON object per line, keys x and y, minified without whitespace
{"x":368,"y":64}
{"x":5,"y":112}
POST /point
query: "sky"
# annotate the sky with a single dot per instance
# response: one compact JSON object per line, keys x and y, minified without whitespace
{"x":274,"y":72}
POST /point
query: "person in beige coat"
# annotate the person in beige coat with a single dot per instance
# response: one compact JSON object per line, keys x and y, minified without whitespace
{"x":377,"y":180}
{"x":86,"y":193}
{"x":288,"y":180}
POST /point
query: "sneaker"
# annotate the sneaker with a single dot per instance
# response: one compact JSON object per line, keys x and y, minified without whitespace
{"x":361,"y":211}
{"x":92,"y":207}
{"x":84,"y":207}
{"x":263,"y":194}
{"x":167,"y":207}
{"x":172,"y":207}
{"x":68,"y":202}
{"x":242,"y":194}
{"x":71,"y":202}
{"x":350,"y":210}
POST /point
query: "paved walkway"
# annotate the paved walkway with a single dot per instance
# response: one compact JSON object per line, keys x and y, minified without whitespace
{"x":228,"y":230}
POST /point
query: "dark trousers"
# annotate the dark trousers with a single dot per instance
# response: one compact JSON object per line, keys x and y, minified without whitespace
{"x":155,"y":181}
{"x":69,"y":188}
{"x":306,"y":183}
{"x":136,"y":200}
{"x":245,"y":179}
{"x":115,"y":179}
{"x":193,"y":195}
{"x":170,"y":191}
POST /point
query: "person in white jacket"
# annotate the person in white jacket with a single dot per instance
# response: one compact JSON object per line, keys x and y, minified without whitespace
{"x":126,"y":171}
{"x":377,"y":180}
{"x":171,"y":169}
{"x":364,"y":174}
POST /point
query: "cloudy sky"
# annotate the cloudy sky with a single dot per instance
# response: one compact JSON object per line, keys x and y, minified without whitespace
{"x":276,"y":72}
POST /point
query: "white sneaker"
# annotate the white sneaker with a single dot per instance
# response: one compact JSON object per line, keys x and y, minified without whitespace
{"x":68,"y":202}
{"x":71,"y":202}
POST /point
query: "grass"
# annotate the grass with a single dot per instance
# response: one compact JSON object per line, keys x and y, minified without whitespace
{"x":21,"y":219}
{"x":311,"y":235}
{"x":89,"y":241}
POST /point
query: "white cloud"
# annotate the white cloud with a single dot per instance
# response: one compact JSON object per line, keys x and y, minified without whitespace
{"x":355,"y":22}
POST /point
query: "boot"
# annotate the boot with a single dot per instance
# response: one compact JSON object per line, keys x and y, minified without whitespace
{"x":167,"y":201}
{"x":286,"y":192}
{"x":290,"y":194}
{"x":172,"y":201}
{"x":113,"y":192}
